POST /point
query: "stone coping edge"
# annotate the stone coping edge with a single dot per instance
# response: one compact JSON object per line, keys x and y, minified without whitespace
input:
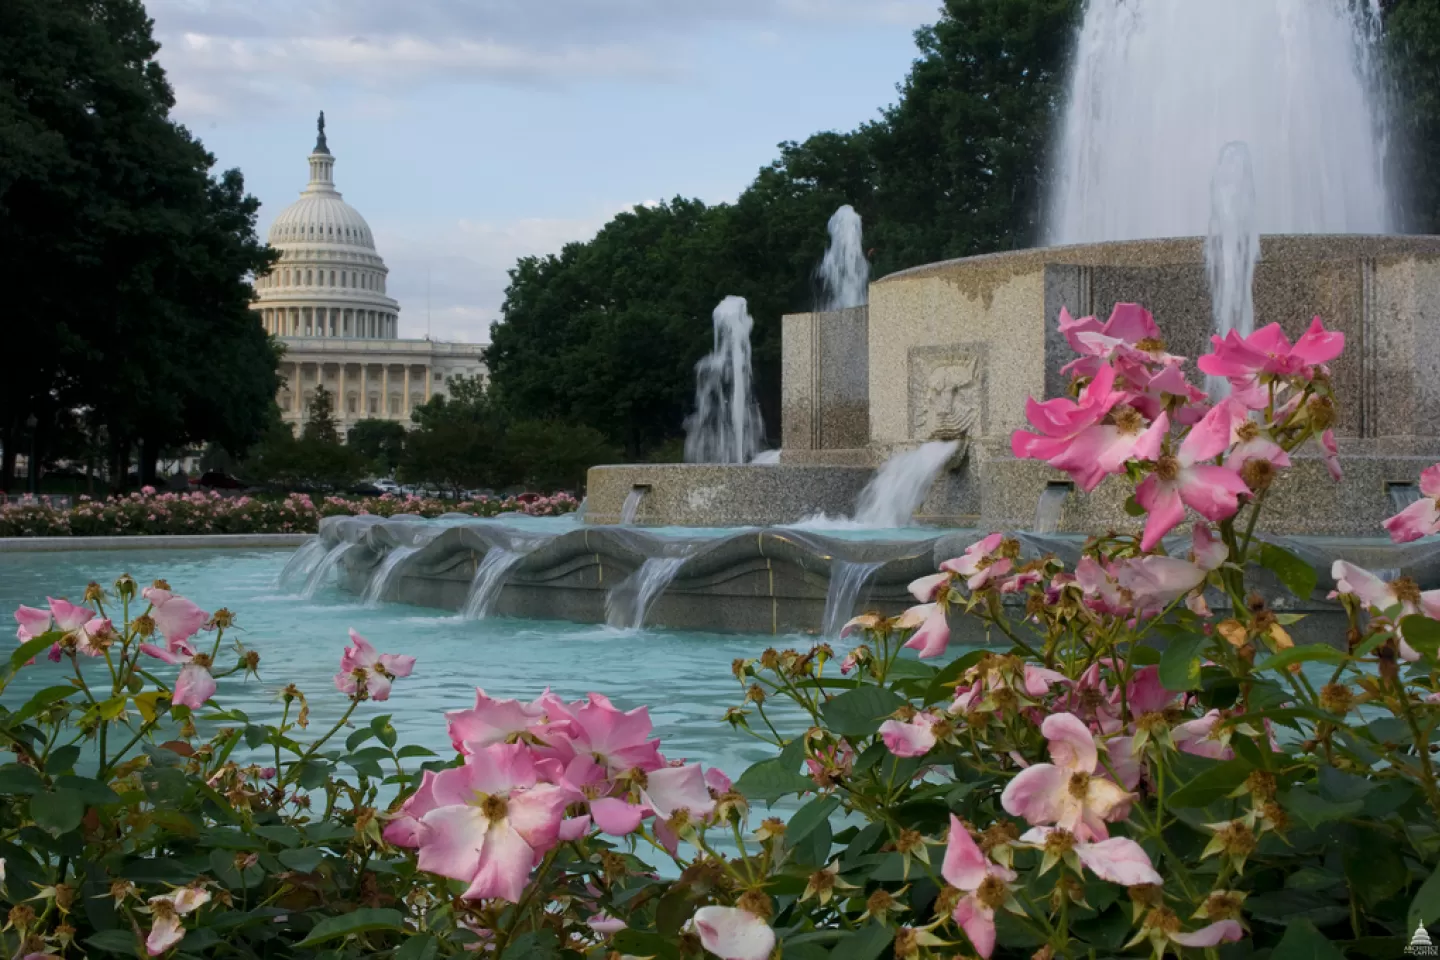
{"x":151,"y":542}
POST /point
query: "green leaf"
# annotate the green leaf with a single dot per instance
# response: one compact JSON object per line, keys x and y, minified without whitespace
{"x":1422,"y":633}
{"x":867,"y":943}
{"x":1214,"y":784}
{"x":59,"y":812}
{"x":15,"y":779}
{"x":1133,"y":508}
{"x":303,"y":859}
{"x":350,"y":924}
{"x":1310,"y":652}
{"x":384,"y":730}
{"x":255,"y":735}
{"x":1297,"y":575}
{"x":113,"y":941}
{"x":314,"y":773}
{"x":93,"y":792}
{"x":1303,"y":942}
{"x":1425,"y":908}
{"x":769,"y":780}
{"x":31,"y":649}
{"x":1315,"y":810}
{"x":1180,"y":663}
{"x":423,"y":947}
{"x":859,"y":712}
{"x":38,"y":702}
{"x":358,"y":737}
{"x":1372,"y":862}
{"x":943,"y":686}
{"x":536,"y":945}
{"x":638,"y":943}
{"x":414,"y":750}
{"x":809,"y":817}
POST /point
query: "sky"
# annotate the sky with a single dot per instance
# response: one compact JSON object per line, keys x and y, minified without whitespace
{"x":470,"y":133}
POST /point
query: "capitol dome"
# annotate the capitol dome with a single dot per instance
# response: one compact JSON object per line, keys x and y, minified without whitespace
{"x":330,"y":281}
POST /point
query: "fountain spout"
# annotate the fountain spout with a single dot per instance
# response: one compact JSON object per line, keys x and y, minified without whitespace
{"x":1051,"y":505}
{"x":1232,"y":250}
{"x":844,"y":274}
{"x":726,"y":426}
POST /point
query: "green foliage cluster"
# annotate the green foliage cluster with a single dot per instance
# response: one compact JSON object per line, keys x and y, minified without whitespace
{"x":127,"y":262}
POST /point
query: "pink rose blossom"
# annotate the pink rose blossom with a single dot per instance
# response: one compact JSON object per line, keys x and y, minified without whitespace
{"x":1186,"y":479}
{"x":933,"y":635}
{"x":490,"y":822}
{"x":1117,"y":860}
{"x":914,"y":738}
{"x":968,"y":869}
{"x":175,"y":617}
{"x":195,"y":685}
{"x":734,"y":934}
{"x":362,"y":663}
{"x":492,"y":721}
{"x":1420,"y":519}
{"x":1067,"y":792}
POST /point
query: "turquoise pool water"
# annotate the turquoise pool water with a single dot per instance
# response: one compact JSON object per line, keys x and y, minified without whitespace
{"x":684,"y":678}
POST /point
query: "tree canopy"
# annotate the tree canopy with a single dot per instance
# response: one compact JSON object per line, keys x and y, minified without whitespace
{"x":128,"y":263}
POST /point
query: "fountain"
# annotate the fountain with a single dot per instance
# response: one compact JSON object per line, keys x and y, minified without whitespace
{"x":490,"y":576}
{"x":901,"y":485}
{"x":726,"y":425}
{"x":631,"y":508}
{"x":627,"y":604}
{"x":1048,"y":511}
{"x":1232,"y":250}
{"x":380,"y":580}
{"x":320,"y":573}
{"x":299,"y":567}
{"x":844,"y":273}
{"x":848,"y":578}
{"x":1159,"y":88}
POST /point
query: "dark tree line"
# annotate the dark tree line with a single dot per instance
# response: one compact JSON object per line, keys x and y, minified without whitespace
{"x":125,"y":261}
{"x":607,"y":332}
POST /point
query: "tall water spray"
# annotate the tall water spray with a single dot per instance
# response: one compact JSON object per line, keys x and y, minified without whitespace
{"x":1232,"y":249}
{"x":844,"y":273}
{"x":1158,"y":88}
{"x":726,"y":426}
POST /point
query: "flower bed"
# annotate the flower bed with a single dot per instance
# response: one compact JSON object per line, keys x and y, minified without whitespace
{"x":1142,"y":764}
{"x":152,"y":512}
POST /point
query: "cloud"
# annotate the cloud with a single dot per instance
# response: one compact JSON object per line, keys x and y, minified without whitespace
{"x":227,"y":56}
{"x":464,"y":264}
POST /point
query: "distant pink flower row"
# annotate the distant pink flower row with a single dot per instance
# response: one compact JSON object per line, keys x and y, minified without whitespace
{"x":152,"y":512}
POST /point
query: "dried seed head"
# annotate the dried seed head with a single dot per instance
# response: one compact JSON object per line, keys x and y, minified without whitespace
{"x":756,"y":902}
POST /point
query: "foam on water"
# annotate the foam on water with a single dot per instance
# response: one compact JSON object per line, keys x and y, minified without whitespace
{"x":1159,"y":88}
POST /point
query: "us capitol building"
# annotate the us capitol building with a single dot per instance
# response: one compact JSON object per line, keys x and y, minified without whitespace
{"x":326,"y":302}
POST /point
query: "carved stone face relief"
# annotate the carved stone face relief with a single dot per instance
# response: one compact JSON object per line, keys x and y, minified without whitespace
{"x":945,"y":394}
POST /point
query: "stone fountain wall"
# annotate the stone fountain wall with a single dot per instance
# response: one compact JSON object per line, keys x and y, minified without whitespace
{"x":953,"y":350}
{"x":970,"y":340}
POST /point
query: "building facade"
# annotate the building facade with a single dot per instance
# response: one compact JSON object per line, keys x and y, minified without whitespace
{"x":326,"y":301}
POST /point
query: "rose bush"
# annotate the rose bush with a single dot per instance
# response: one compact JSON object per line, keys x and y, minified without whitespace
{"x":1140,"y":762}
{"x":151,"y":512}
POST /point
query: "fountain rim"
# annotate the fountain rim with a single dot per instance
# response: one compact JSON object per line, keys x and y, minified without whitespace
{"x":1167,"y":251}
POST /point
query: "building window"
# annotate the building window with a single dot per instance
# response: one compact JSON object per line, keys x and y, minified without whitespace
{"x":374,"y":405}
{"x":332,"y":278}
{"x":342,"y":277}
{"x":287,"y":278}
{"x":309,"y":278}
{"x":352,"y":405}
{"x":439,"y":376}
{"x":394,"y":405}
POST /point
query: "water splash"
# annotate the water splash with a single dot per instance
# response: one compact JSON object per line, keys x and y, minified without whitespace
{"x":766,"y":458}
{"x":1158,"y":88}
{"x":726,"y":426}
{"x":631,"y":508}
{"x":385,"y":574}
{"x":847,"y":580}
{"x":1050,"y":506}
{"x":629,"y":601}
{"x":844,"y":273}
{"x":490,"y":577}
{"x":1232,"y":250}
{"x":320,"y":575}
{"x":299,"y":567}
{"x":898,"y":489}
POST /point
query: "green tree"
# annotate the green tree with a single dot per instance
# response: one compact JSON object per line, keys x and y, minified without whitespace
{"x":1412,"y":33}
{"x":130,"y":261}
{"x":550,"y":457}
{"x":458,"y":440}
{"x":320,"y":422}
{"x":306,"y":463}
{"x":380,"y":442}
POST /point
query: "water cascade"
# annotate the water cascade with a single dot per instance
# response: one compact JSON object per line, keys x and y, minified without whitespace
{"x":766,"y":458}
{"x":844,"y":273}
{"x":1050,"y":505}
{"x":898,"y":489}
{"x":627,"y":604}
{"x":848,"y":580}
{"x":1232,"y":250}
{"x":726,"y":426}
{"x":1158,"y":89}
{"x":631,"y":508}
{"x":490,"y":577}
{"x":302,"y":564}
{"x":1402,"y":495}
{"x":320,"y":575}
{"x":384,"y":574}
